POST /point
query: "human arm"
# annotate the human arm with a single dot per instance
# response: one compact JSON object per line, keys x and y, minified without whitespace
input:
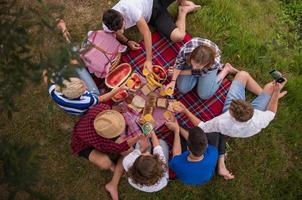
{"x":155,"y":141}
{"x":145,"y":31}
{"x":182,"y":109}
{"x":173,"y":126}
{"x":273,"y":104}
{"x":108,"y":95}
{"x":132,"y":44}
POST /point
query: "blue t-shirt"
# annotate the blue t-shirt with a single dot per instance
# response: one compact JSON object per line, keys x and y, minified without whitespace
{"x":195,"y":173}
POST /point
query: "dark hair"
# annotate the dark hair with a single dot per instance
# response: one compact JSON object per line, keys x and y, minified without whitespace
{"x":113,"y":20}
{"x":197,"y":141}
{"x":203,"y":55}
{"x":147,"y":170}
{"x":241,"y":110}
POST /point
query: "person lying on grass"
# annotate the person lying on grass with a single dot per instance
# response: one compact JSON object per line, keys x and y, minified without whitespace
{"x":126,"y":14}
{"x":243,"y":119}
{"x":194,"y":161}
{"x":100,"y":137}
{"x":197,"y":63}
{"x":148,"y":171}
{"x":74,"y":97}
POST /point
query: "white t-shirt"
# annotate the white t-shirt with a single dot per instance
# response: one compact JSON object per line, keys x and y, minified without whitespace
{"x":130,"y":159}
{"x":227,"y":125}
{"x":133,"y":10}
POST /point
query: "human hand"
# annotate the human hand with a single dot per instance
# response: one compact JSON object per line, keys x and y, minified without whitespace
{"x":173,"y":126}
{"x":278,"y":87}
{"x":171,"y":85}
{"x":148,"y":65}
{"x":133,"y":45}
{"x":180,"y":108}
{"x":144,"y":144}
{"x":61,"y":25}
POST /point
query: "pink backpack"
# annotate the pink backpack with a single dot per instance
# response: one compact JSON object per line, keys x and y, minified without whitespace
{"x":101,"y":52}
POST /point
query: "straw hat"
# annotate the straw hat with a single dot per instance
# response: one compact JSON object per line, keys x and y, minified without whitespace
{"x":109,"y":124}
{"x":73,"y":88}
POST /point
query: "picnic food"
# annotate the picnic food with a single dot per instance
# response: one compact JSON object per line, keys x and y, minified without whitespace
{"x":176,"y":105}
{"x":119,"y":75}
{"x":168,"y":116}
{"x":120,"y":96}
{"x":159,"y":73}
{"x":148,"y":118}
{"x":162,"y":103}
{"x":166,"y":92}
{"x":134,"y":82}
{"x":138,"y":101}
{"x":151,"y":80}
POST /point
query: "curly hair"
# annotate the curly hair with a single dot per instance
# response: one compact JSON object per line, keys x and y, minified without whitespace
{"x":241,"y":110}
{"x":147,"y":170}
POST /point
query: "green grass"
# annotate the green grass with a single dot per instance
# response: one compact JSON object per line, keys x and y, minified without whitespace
{"x":255,"y":36}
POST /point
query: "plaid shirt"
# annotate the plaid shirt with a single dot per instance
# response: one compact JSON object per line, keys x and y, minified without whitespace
{"x":85,"y":136}
{"x":186,"y":50}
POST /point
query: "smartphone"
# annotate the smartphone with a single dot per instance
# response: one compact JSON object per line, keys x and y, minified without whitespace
{"x":277,"y":76}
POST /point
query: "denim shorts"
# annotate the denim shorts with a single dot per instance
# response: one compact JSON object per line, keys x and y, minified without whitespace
{"x":237,"y":91}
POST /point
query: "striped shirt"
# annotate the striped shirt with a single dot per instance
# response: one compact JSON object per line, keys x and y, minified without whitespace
{"x":76,"y":106}
{"x":186,"y":50}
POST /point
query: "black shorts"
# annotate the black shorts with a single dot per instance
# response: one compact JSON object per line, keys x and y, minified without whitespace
{"x":86,"y":152}
{"x":161,"y":18}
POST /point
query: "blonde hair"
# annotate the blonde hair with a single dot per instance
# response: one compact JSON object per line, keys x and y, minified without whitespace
{"x":73,"y":88}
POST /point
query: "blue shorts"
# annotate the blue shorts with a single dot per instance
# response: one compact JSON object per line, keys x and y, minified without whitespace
{"x":237,"y":91}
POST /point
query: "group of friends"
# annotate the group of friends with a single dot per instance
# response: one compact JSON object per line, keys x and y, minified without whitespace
{"x":197,"y":152}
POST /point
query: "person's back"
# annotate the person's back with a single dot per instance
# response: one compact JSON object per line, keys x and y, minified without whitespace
{"x":196,"y":165}
{"x":73,"y":97}
{"x":195,"y":172}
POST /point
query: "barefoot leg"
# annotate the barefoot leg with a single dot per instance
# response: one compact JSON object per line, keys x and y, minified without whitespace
{"x":222,"y":170}
{"x":112,"y":186}
{"x":228,"y":69}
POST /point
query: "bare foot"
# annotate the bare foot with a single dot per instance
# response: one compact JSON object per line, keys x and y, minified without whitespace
{"x":282,"y":94}
{"x":226,"y":174}
{"x":112,"y":191}
{"x":188,"y":9}
{"x":230,"y":69}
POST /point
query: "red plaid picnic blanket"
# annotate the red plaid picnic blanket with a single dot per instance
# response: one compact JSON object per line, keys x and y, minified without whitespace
{"x":164,"y":54}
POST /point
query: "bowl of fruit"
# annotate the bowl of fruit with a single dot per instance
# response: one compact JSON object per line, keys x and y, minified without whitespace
{"x":159,"y":73}
{"x":134,"y":82}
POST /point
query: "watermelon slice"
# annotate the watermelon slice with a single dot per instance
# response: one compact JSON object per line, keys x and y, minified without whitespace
{"x":118,"y":76}
{"x":120,"y":96}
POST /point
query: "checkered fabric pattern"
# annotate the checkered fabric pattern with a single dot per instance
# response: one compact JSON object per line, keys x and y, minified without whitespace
{"x":164,"y":54}
{"x":187,"y":49}
{"x":85,"y":136}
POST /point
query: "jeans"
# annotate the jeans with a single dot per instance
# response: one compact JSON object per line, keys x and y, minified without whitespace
{"x":237,"y":91}
{"x":207,"y":85}
{"x":85,"y":76}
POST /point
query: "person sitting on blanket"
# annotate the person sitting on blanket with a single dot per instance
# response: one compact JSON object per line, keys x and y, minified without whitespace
{"x":240,"y":118}
{"x":148,"y":172}
{"x":197,"y":63}
{"x":195,"y":161}
{"x":74,"y":97}
{"x":126,"y":14}
{"x":99,"y":135}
